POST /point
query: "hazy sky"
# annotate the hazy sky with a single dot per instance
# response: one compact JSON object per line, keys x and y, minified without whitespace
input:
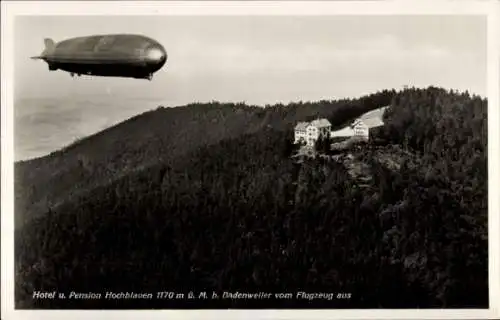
{"x":265,"y":59}
{"x":256,"y":59}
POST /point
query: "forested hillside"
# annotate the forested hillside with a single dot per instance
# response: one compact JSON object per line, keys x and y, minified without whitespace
{"x":159,"y":136}
{"x":240,"y":215}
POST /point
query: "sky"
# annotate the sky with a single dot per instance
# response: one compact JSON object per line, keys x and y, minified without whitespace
{"x":256,"y":59}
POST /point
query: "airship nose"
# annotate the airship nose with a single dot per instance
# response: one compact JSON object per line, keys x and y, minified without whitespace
{"x":156,"y":55}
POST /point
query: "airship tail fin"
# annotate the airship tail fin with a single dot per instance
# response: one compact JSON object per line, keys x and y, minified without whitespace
{"x":49,"y":44}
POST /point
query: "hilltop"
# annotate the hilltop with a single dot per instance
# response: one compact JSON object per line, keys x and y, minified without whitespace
{"x":398,"y":222}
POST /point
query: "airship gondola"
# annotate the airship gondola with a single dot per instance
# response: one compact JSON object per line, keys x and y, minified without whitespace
{"x":113,"y":55}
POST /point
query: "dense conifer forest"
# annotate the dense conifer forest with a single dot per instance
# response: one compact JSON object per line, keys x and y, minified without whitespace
{"x":207,"y":197}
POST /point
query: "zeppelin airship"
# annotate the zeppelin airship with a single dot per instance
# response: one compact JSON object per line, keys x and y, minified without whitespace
{"x":112,"y":55}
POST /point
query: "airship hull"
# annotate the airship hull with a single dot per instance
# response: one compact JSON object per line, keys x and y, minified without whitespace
{"x":104,"y":69}
{"x":118,"y":55}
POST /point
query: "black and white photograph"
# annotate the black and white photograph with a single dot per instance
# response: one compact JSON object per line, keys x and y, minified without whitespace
{"x":189,"y":157}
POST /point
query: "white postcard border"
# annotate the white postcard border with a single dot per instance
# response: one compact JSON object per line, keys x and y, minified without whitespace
{"x":10,"y":10}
